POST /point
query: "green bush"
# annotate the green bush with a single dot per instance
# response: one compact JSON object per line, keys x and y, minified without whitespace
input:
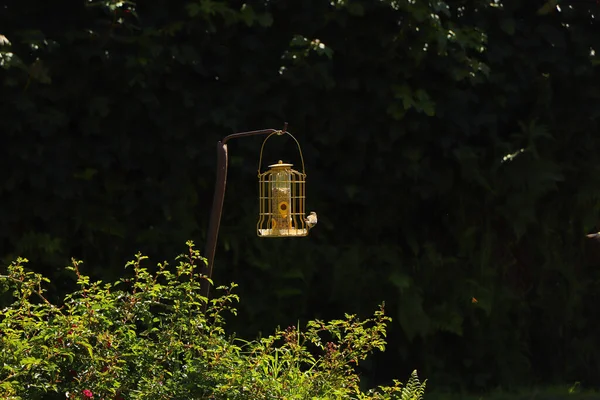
{"x":153,"y":336}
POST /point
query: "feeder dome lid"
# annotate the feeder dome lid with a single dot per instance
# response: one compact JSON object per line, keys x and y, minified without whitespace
{"x":280,"y":164}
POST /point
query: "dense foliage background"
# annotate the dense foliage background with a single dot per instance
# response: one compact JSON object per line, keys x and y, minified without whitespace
{"x":451,"y":151}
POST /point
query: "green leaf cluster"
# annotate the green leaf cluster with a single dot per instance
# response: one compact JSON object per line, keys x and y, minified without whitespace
{"x":149,"y":336}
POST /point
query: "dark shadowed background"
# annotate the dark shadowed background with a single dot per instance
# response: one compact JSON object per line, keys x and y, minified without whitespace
{"x":451,"y":150}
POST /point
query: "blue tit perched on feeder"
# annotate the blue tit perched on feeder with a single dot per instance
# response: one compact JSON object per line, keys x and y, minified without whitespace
{"x":311,"y":220}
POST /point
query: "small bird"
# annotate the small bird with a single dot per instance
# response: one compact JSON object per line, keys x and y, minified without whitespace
{"x":311,"y":220}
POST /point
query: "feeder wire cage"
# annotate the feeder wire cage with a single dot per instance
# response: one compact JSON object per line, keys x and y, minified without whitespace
{"x":282,"y":197}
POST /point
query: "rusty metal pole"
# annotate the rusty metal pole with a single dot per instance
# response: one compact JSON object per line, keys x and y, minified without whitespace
{"x":218,"y":199}
{"x":215,"y":215}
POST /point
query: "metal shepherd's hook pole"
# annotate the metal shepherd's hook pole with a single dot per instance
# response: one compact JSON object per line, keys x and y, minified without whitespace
{"x":219,"y":197}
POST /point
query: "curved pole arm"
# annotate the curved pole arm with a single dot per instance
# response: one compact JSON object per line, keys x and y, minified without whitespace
{"x":219,"y":197}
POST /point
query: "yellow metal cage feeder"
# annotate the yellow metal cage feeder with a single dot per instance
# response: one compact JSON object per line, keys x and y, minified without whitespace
{"x":282,"y":196}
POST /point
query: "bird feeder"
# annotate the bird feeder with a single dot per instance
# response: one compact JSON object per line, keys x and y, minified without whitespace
{"x":282,"y":197}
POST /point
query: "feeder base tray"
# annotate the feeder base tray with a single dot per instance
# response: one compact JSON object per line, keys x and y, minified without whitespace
{"x":282,"y":232}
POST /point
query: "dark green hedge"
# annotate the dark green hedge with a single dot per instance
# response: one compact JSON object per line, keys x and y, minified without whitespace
{"x":451,"y":151}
